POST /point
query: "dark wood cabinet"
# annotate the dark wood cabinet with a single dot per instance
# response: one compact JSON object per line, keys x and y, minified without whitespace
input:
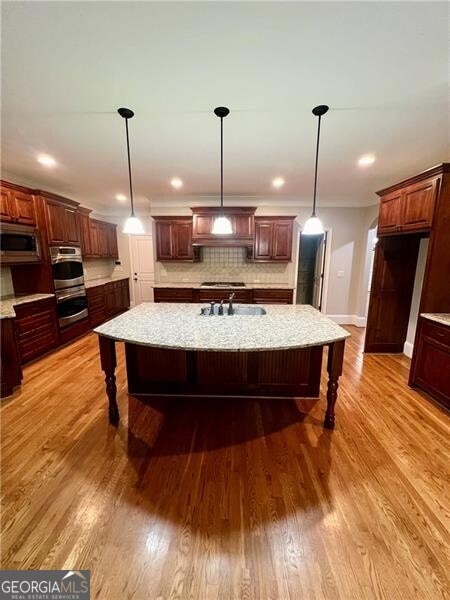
{"x":107,"y":300}
{"x":273,"y":239}
{"x":408,"y":208}
{"x":10,"y":369}
{"x":61,"y":221}
{"x":242,"y":225}
{"x":85,"y":231}
{"x":272,"y":296}
{"x":17,"y":205}
{"x":173,"y":295}
{"x":391,"y":293}
{"x":246,"y":296}
{"x":113,"y":250}
{"x":174,"y":239}
{"x":431,"y":364}
{"x":36,"y":326}
{"x":96,"y":305}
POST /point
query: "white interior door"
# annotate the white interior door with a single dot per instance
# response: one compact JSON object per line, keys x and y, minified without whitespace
{"x":319,"y":273}
{"x":142,"y":268}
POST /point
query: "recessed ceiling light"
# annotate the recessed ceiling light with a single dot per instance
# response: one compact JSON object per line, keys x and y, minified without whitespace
{"x":121,"y":197}
{"x":366,"y":160}
{"x":278,"y":182}
{"x":46,"y":160}
{"x":176,"y":183}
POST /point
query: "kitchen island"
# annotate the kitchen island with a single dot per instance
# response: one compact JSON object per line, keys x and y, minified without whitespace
{"x":172,"y":350}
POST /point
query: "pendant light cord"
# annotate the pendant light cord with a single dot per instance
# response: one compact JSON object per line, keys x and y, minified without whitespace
{"x":316,"y":168}
{"x":221,"y":163}
{"x":129,"y":168}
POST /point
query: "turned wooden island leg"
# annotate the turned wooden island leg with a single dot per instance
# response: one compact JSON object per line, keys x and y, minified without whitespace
{"x":109,"y":363}
{"x":334,"y":368}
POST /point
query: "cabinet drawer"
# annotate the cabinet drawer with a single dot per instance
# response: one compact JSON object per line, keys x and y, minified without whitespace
{"x":437,"y":332}
{"x":272,"y":296}
{"x":173,"y":294}
{"x":36,"y":328}
{"x":224,"y":294}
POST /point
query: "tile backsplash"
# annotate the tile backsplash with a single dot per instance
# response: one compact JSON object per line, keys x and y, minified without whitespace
{"x":98,"y":268}
{"x":224,"y":264}
{"x":6,"y":286}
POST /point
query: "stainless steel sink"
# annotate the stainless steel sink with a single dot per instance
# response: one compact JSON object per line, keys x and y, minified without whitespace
{"x":249,"y":310}
{"x":237,"y":310}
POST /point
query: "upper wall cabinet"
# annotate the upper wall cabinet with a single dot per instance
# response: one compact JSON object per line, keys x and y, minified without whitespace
{"x":273,"y":239}
{"x":61,"y":219}
{"x":174,"y":239}
{"x":408,"y":207}
{"x":17,"y":205}
{"x":98,"y":238}
{"x":242,"y":225}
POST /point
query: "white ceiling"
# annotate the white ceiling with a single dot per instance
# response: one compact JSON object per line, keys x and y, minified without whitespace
{"x":67,"y":66}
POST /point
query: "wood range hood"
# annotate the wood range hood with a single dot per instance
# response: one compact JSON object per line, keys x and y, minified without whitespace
{"x":242,"y":223}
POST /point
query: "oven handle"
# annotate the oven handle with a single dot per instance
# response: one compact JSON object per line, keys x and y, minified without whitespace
{"x":68,"y":296}
{"x":60,"y":259}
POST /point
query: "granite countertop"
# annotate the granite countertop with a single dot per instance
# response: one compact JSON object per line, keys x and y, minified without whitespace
{"x":443,"y":318}
{"x":248,"y":286}
{"x":180,"y":326}
{"x":7,"y":303}
{"x":102,"y":280}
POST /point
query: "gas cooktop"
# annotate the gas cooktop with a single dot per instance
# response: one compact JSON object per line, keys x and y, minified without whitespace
{"x":224,"y":284}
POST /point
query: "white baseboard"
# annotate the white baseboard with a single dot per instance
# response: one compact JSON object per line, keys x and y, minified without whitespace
{"x":408,"y":349}
{"x":348,"y":320}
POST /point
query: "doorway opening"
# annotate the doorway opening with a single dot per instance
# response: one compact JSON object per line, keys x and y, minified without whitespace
{"x":311,"y":269}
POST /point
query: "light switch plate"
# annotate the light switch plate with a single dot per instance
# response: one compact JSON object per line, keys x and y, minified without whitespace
{"x":340,"y":273}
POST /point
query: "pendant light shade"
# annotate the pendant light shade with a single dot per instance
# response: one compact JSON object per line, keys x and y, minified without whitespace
{"x":222,"y":224}
{"x":133,"y":225}
{"x":313,"y":225}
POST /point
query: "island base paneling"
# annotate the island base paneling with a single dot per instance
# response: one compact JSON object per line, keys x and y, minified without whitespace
{"x":274,"y":373}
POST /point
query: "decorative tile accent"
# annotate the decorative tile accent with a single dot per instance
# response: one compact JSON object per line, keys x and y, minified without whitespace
{"x":229,"y":264}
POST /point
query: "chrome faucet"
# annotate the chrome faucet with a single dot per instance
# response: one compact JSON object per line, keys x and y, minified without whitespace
{"x":230,"y":304}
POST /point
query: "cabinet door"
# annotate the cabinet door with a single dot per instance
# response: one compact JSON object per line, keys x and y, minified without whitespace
{"x":242,"y":226}
{"x":125,"y":294}
{"x":418,"y":203}
{"x":71,"y":225}
{"x":103,"y":241}
{"x":56,"y":219}
{"x":23,"y":208}
{"x":282,"y":241}
{"x":263,"y":240}
{"x":390,"y":213}
{"x":203,"y":225}
{"x":113,"y":250}
{"x":182,"y":240}
{"x":94,"y":238}
{"x":5,"y":206}
{"x":164,"y":240}
{"x":85,"y":234}
{"x":432,"y":369}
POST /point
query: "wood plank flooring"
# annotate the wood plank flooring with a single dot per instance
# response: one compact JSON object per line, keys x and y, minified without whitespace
{"x":238,"y":499}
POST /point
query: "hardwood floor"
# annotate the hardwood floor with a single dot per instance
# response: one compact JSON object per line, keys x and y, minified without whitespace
{"x":239,"y":499}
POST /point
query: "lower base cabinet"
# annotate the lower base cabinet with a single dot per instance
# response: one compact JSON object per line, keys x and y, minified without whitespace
{"x":10,"y":369}
{"x":430,"y":369}
{"x":107,"y":300}
{"x":246,"y":296}
{"x":36,"y":328}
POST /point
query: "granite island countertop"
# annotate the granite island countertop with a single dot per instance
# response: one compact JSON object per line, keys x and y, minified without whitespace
{"x":443,"y":318}
{"x":7,"y":303}
{"x":247,"y":286}
{"x":180,"y":326}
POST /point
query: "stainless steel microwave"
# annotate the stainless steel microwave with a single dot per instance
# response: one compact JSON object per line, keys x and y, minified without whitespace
{"x":19,"y":244}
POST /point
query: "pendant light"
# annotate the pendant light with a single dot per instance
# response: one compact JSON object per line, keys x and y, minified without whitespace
{"x":132,"y":225}
{"x":313,"y":225}
{"x":222,"y":224}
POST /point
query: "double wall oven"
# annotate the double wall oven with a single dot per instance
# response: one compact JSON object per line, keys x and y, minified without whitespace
{"x":68,"y":280}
